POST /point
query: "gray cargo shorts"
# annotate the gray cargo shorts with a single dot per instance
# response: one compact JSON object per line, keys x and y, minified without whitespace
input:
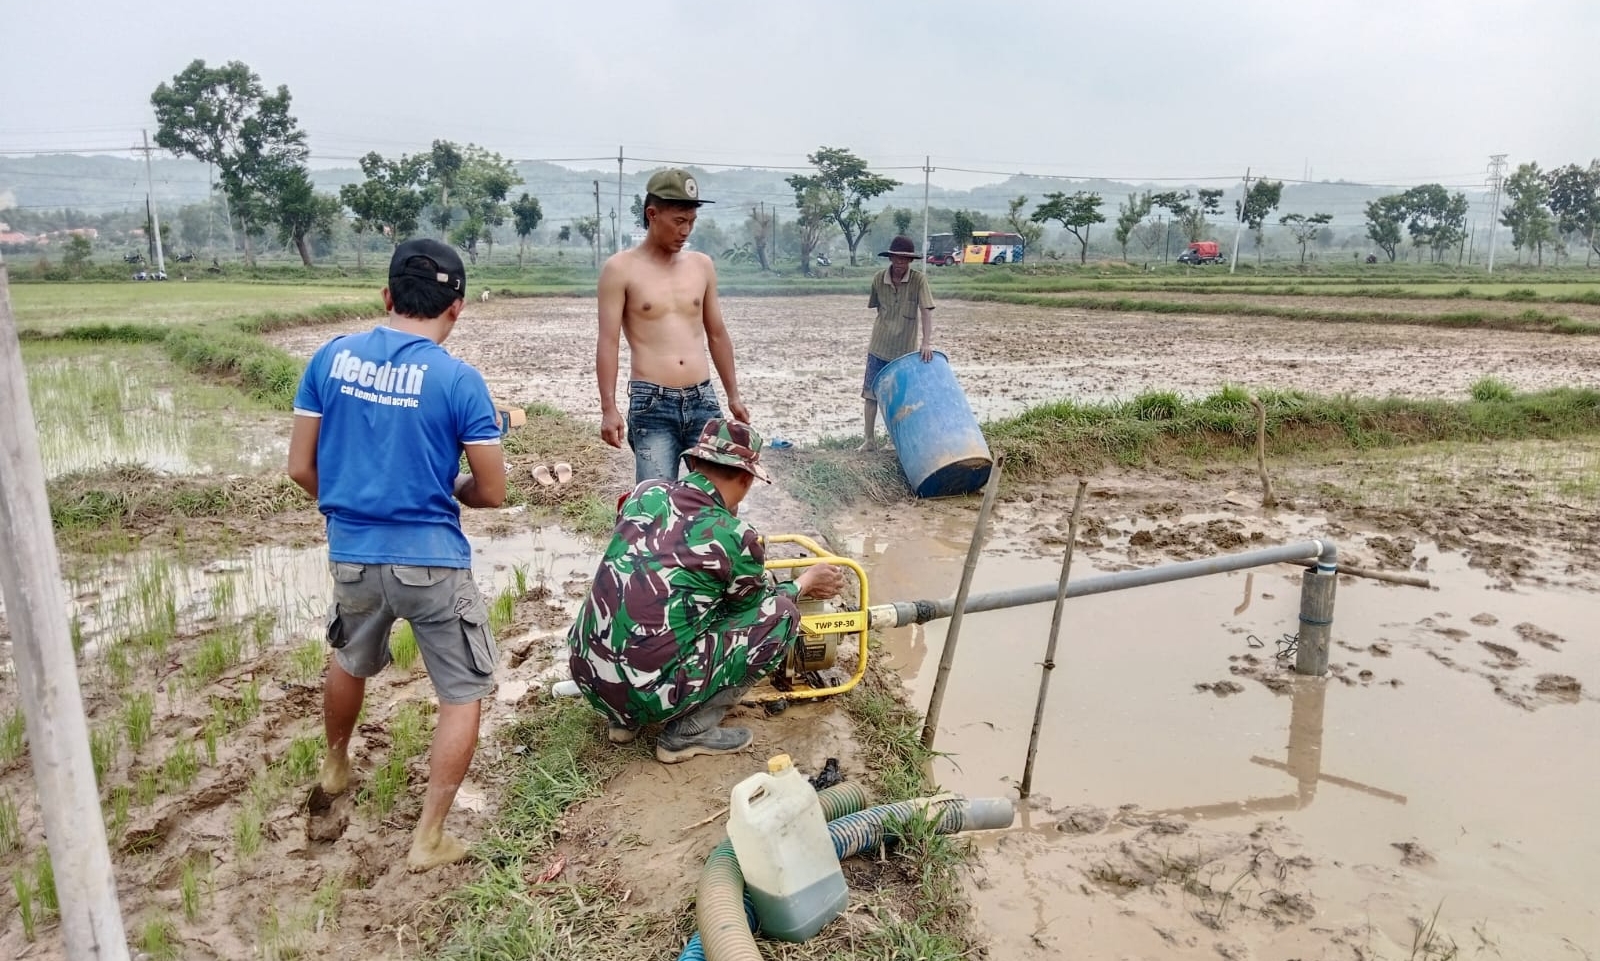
{"x":445,"y":609}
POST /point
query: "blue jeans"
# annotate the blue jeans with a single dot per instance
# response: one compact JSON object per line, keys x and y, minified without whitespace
{"x":663,"y":422}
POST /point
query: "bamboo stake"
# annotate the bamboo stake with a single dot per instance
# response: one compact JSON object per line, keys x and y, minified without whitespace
{"x":930,"y":726}
{"x":1055,"y":634}
{"x":1268,"y":499}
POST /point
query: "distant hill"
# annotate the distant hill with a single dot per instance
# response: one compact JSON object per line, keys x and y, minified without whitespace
{"x":102,"y":184}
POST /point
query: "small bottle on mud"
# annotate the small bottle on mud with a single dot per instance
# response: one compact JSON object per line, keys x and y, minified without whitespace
{"x":781,"y":840}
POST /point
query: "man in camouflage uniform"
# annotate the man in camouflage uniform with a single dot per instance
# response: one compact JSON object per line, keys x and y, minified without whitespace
{"x":683,"y":618}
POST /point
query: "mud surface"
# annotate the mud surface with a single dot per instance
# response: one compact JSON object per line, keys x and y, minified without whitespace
{"x":800,"y":359}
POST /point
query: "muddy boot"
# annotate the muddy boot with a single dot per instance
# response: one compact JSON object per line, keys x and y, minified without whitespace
{"x":619,"y":734}
{"x":697,"y":733}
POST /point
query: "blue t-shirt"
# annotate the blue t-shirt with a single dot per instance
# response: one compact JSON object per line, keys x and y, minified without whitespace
{"x":396,"y":409}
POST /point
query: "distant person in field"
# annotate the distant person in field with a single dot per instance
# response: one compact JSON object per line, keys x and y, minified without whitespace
{"x":663,"y":298}
{"x":682,"y":617}
{"x":905,"y":306}
{"x":381,"y":421}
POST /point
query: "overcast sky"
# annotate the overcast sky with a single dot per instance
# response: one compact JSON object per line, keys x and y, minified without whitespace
{"x":1389,"y":91}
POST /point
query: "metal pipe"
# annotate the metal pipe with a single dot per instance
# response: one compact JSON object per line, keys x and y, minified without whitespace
{"x":1050,"y":646}
{"x":902,"y":613}
{"x":958,"y":606}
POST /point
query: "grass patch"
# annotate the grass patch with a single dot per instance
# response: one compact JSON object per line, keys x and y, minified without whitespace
{"x":1492,"y":390}
{"x":13,"y":736}
{"x":10,"y":826}
{"x":403,"y":648}
{"x":158,"y":939}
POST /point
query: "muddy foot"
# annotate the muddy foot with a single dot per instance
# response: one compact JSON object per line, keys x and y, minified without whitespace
{"x":335,"y":775}
{"x":327,"y":815}
{"x":425,"y":855}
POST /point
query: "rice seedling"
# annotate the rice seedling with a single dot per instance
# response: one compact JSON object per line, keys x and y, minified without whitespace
{"x":502,"y":611}
{"x":158,"y":939}
{"x":121,"y":799}
{"x":138,"y":718}
{"x":403,"y":648}
{"x":44,"y":883}
{"x":307,"y":661}
{"x":117,"y":663}
{"x":386,"y":787}
{"x":181,"y":767}
{"x":211,"y":734}
{"x":224,"y":592}
{"x":104,"y":740}
{"x":10,"y":826}
{"x":300,"y":761}
{"x":247,"y":836}
{"x":13,"y":737}
{"x":189,"y":886}
{"x":148,"y":787}
{"x":23,"y":887}
{"x":218,"y":653}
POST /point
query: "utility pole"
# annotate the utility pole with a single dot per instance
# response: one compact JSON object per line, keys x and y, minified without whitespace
{"x":596,"y":225}
{"x":150,"y":200}
{"x":1239,"y":227}
{"x":1472,"y":238}
{"x":616,"y":234}
{"x":774,"y":236}
{"x":927,"y":171}
{"x":1497,"y":170}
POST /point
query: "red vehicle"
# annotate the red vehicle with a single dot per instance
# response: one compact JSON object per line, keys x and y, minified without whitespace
{"x":1202,"y":252}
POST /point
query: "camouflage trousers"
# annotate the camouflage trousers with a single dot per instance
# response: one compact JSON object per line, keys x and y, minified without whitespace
{"x":657,"y":678}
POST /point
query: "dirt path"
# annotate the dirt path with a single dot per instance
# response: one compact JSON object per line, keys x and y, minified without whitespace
{"x":800,"y":358}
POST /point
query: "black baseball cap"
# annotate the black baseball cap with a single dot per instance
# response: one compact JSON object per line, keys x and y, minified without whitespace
{"x":428,"y":259}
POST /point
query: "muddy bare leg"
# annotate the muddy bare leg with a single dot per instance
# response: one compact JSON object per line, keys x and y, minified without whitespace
{"x":869,"y":427}
{"x":341,"y":704}
{"x":454,"y":741}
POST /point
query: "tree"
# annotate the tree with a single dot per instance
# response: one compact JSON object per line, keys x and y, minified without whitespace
{"x":75,"y":257}
{"x":1129,"y":215}
{"x":816,"y":207}
{"x":1304,"y":229}
{"x":1575,"y":202}
{"x":1157,"y":229}
{"x":760,"y":226}
{"x":846,"y":183}
{"x":902,"y":221}
{"x":298,"y":210}
{"x":388,"y":200}
{"x":637,"y":210}
{"x":564,"y":235}
{"x":961,"y":227}
{"x":1259,"y":202}
{"x":1385,"y":216}
{"x":225,"y":117}
{"x":1526,"y":211}
{"x":1020,"y":224}
{"x":1077,"y":213}
{"x":1192,"y":216}
{"x":1436,"y":219}
{"x":526,"y":213}
{"x":587,"y":228}
{"x":443,"y":170}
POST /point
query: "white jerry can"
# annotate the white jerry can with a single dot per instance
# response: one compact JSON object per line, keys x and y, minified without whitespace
{"x":781,"y":840}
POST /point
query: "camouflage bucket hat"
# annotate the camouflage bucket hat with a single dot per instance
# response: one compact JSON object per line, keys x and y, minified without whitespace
{"x":732,"y":443}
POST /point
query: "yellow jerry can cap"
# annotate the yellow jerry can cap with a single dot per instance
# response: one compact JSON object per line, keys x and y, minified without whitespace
{"x":779,"y":764}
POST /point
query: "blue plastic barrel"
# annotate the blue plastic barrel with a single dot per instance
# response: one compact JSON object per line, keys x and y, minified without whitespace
{"x":941,"y":448}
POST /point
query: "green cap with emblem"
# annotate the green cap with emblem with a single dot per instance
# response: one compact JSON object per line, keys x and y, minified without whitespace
{"x":677,"y":185}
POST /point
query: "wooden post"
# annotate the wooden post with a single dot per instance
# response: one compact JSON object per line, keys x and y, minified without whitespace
{"x":1050,"y":646}
{"x":930,"y":726}
{"x":47,"y":673}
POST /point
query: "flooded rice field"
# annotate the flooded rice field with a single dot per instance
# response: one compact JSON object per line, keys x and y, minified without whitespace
{"x":1194,"y":797}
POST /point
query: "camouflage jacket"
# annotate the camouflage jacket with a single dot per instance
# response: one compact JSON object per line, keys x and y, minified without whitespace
{"x":681,"y":607}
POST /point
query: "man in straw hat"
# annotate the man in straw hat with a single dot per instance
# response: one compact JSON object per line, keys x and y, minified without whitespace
{"x":902,"y":299}
{"x":682,"y":618}
{"x":663,"y":298}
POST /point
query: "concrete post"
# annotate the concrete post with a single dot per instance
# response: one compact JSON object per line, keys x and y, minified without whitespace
{"x":1317,"y":589}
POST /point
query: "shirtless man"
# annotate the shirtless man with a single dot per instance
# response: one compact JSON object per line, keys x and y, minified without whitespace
{"x":664,"y":300}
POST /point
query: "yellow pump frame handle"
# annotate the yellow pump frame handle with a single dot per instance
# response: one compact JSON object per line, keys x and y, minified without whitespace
{"x":838,"y":622}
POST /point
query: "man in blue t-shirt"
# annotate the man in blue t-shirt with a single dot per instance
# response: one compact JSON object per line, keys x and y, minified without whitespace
{"x":381,"y":420}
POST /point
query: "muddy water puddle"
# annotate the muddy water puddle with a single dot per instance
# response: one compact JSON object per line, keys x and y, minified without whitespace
{"x":285,"y":590}
{"x":1450,"y":755}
